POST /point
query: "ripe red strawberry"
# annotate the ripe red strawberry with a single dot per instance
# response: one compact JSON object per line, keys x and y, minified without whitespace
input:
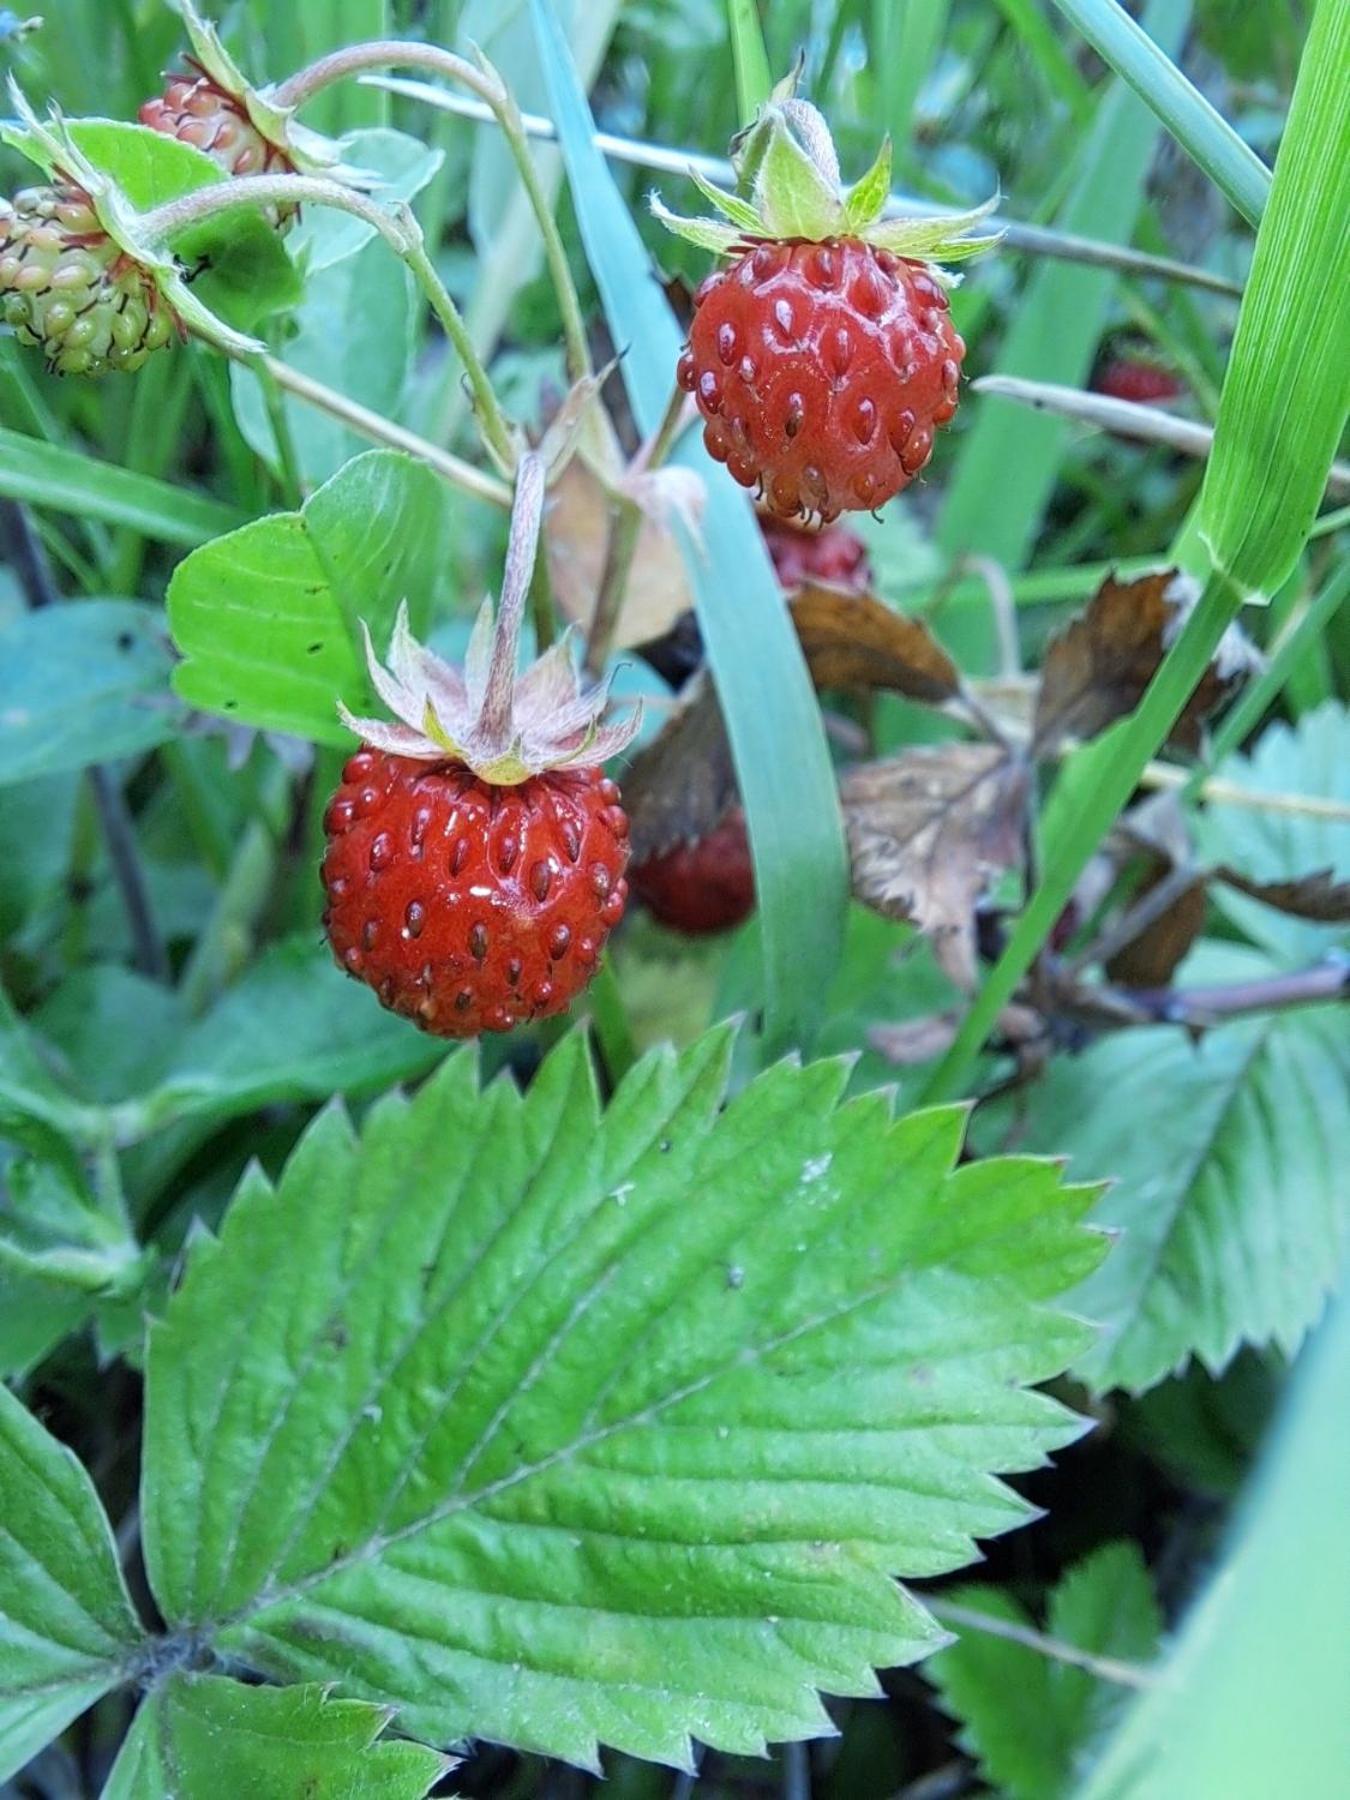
{"x":1130,"y":378}
{"x":822,"y":370}
{"x":476,"y":851}
{"x":703,"y":886}
{"x":470,"y":907}
{"x":834,"y":557}
{"x":824,"y":357}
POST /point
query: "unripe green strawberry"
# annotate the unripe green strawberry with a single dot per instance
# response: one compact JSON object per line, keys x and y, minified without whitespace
{"x":69,"y":290}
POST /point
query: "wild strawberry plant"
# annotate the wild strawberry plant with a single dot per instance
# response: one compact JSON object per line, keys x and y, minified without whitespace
{"x":386,"y":657}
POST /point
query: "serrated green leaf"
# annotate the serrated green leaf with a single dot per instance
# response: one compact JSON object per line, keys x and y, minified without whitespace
{"x":1226,"y":1166}
{"x":1031,"y":1720}
{"x":1312,"y":759}
{"x":67,"y":1630}
{"x":201,"y":1735}
{"x":80,"y":684}
{"x":267,"y":617}
{"x":323,"y":236}
{"x":623,"y":1419}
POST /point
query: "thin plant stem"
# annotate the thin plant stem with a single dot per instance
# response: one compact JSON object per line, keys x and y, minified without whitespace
{"x":1105,"y":1668}
{"x":373,"y":425}
{"x":396,"y":225}
{"x":487,"y":85}
{"x":625,"y":527}
{"x":521,"y":551}
{"x":1113,"y":780}
{"x":292,"y":482}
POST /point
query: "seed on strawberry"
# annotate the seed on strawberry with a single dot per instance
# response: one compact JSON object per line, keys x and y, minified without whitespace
{"x":198,"y":110}
{"x":702,"y":886}
{"x":69,"y":290}
{"x":833,"y":556}
{"x":824,"y":357}
{"x":476,"y":851}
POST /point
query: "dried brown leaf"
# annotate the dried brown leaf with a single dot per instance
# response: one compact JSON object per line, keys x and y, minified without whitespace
{"x":1319,"y":896}
{"x":857,"y":641}
{"x":1151,"y":957}
{"x":929,"y":830}
{"x":682,"y":783}
{"x":576,"y":538}
{"x":1096,"y":670}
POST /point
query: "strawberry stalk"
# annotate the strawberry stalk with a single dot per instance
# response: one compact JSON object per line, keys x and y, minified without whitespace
{"x":484,"y":81}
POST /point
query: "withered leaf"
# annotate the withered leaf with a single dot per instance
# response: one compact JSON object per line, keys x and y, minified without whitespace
{"x":1319,"y":896}
{"x":928,"y":831}
{"x":576,"y":538}
{"x":857,"y":641}
{"x":1152,"y":956}
{"x":680,"y":784}
{"x":1096,"y":670}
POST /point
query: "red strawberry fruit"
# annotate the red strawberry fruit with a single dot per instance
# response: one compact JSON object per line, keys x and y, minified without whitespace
{"x":197,"y":110}
{"x":823,"y":358}
{"x":1131,"y":378}
{"x":476,"y":850}
{"x":832,"y":557}
{"x":703,"y":886}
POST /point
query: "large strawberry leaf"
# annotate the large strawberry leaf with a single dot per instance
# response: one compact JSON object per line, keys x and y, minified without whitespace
{"x":1228,"y":1188}
{"x":267,"y":617}
{"x":561,"y":1427}
{"x":206,"y":1734}
{"x":67,"y":1631}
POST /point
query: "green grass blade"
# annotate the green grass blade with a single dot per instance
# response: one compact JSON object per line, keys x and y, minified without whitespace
{"x":754,"y":78}
{"x":1008,"y":464}
{"x":1202,"y":132}
{"x":45,"y":475}
{"x":905,"y":37}
{"x":1292,"y":251}
{"x":782,"y":760}
{"x":1287,"y":392}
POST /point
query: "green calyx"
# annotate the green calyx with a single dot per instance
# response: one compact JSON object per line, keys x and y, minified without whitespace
{"x":787,"y":164}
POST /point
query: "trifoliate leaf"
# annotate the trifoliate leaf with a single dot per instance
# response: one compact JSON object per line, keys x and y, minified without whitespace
{"x":67,"y":1631}
{"x":560,"y":1426}
{"x":200,"y":1735}
{"x":1227,"y":1169}
{"x":1029,"y":1719}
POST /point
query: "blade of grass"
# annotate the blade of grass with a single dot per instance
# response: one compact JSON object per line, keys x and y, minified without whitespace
{"x":753,"y":76}
{"x":1007,"y":466}
{"x":66,"y":481}
{"x":906,"y":35}
{"x":1284,"y":357}
{"x":1203,"y":133}
{"x":782,"y":760}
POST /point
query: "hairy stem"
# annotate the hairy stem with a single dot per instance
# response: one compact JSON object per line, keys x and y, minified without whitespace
{"x":521,"y":550}
{"x":396,"y":225}
{"x":1106,"y":1668}
{"x":483,"y":81}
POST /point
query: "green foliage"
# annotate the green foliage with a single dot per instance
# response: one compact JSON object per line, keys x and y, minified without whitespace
{"x":50,"y":475}
{"x":204,"y":1734}
{"x":1226,"y":1183}
{"x":99,"y":674}
{"x":67,"y":1631}
{"x":1032,"y":1721}
{"x":268,"y":618}
{"x":626,"y":1417}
